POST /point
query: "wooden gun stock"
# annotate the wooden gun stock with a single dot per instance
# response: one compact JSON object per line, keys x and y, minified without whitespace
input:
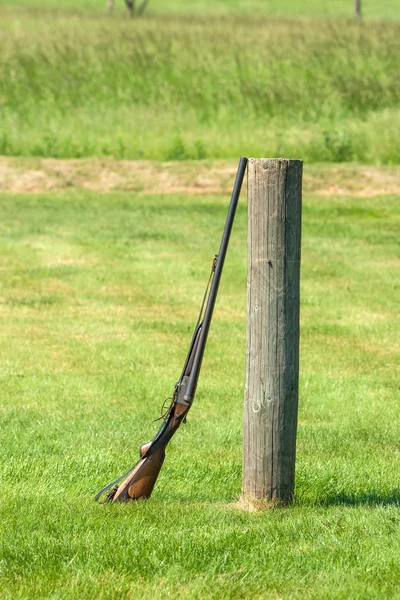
{"x":141,"y":481}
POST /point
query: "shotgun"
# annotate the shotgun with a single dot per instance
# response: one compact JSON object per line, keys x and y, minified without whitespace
{"x":140,"y":479}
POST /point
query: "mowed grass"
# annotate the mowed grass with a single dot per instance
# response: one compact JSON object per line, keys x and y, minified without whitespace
{"x":179,"y":86}
{"x":99,"y":298}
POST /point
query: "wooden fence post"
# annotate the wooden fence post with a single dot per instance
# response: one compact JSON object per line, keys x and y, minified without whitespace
{"x":272,"y":349}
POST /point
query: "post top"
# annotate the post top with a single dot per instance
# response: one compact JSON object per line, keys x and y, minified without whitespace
{"x":299,"y":160}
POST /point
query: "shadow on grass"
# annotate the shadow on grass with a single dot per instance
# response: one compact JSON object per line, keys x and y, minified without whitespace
{"x":370,"y":498}
{"x":365,"y":498}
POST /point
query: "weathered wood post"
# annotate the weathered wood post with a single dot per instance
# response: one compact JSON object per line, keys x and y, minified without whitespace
{"x":272,"y":349}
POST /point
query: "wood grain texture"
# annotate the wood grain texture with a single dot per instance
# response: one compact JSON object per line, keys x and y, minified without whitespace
{"x":272,"y":348}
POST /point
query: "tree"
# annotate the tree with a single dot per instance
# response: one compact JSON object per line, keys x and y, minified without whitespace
{"x":357,"y":10}
{"x":134,"y":11}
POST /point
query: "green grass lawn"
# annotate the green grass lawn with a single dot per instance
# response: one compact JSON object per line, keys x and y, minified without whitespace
{"x":194,"y":86}
{"x":99,"y":296}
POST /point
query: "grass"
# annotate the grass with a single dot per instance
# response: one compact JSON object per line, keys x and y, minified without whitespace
{"x":309,"y":8}
{"x":177,"y":87}
{"x":99,"y":296}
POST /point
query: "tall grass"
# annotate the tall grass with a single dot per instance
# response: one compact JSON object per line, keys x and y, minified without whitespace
{"x":383,"y":9}
{"x":179,"y":87}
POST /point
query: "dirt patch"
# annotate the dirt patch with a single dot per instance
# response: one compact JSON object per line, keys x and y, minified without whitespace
{"x":24,"y":175}
{"x":352,"y":180}
{"x":255,"y":505}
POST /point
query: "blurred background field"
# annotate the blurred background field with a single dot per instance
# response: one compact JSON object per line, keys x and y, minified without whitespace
{"x":383,"y":9}
{"x":201,"y":80}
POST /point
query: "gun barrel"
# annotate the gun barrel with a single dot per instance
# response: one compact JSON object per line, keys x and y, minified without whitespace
{"x":141,"y":478}
{"x":194,"y":376}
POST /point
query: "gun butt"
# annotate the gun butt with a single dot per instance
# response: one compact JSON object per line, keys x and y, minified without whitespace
{"x":143,"y":449}
{"x":140,"y":482}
